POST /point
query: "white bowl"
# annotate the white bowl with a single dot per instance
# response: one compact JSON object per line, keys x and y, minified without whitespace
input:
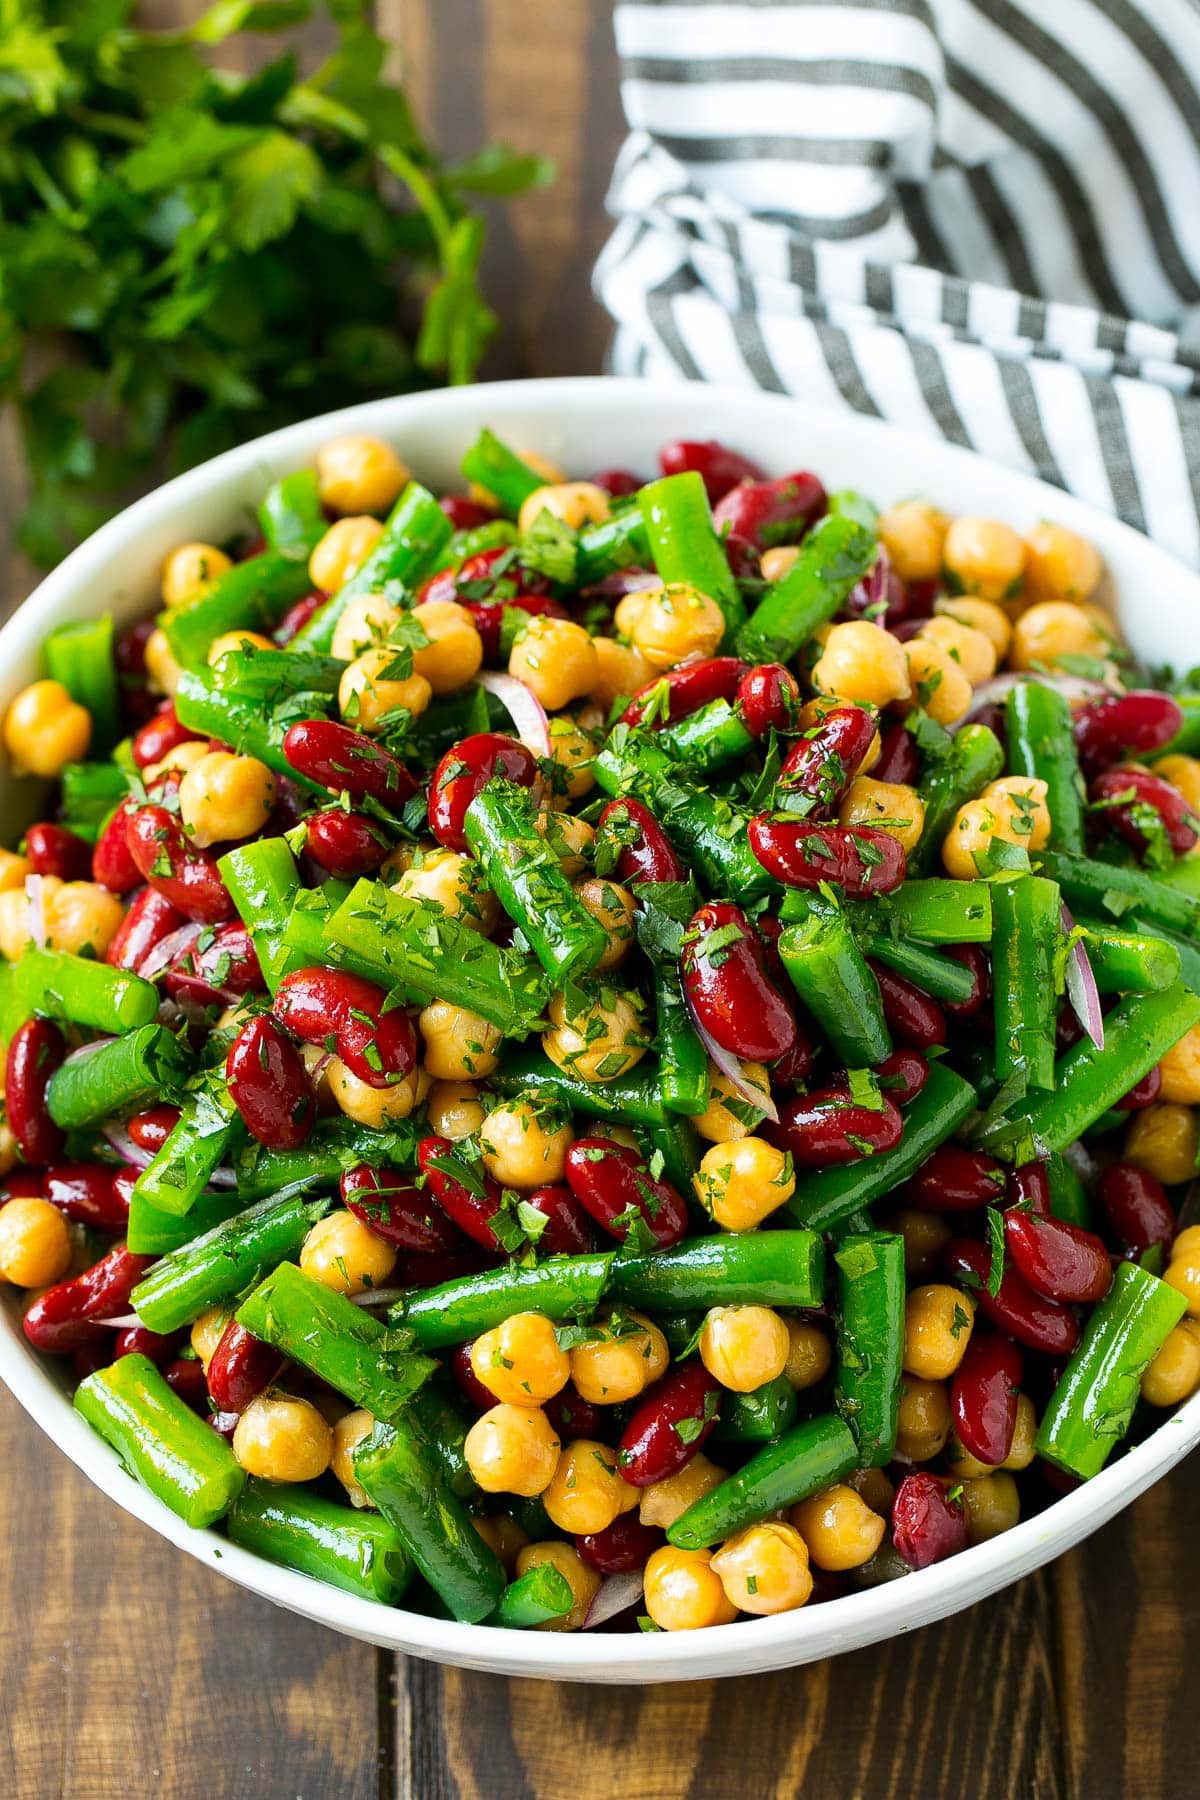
{"x":586,"y":425}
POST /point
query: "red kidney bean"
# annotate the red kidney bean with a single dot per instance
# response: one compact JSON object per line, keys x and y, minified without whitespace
{"x":97,"y":1353}
{"x":652,"y":1447}
{"x":1143,"y":1093}
{"x":487,"y":616}
{"x":742,"y":555}
{"x":858,"y":859}
{"x":718,"y":467}
{"x":881,"y":595}
{"x":794,"y":1067}
{"x":21,"y":1184}
{"x":726,"y":983}
{"x":150,"y":919}
{"x":1137,"y":1209}
{"x":767,"y":698}
{"x":183,"y":874}
{"x":445,"y":1265}
{"x":35,"y":1050}
{"x":270,"y":1085}
{"x":954,"y":1179}
{"x":902,"y":1075}
{"x":464,"y":513}
{"x":467,"y":1381}
{"x":771,"y":512}
{"x":185,"y":1377}
{"x":821,"y":765}
{"x":344,"y":761}
{"x":112,"y":859}
{"x":159,"y":735}
{"x":1034,"y":1321}
{"x":625,"y":1545}
{"x":1063,"y":1262}
{"x":377,"y":1045}
{"x":974,"y":959}
{"x":346,"y":845}
{"x":397,"y":1211}
{"x":898,"y":759}
{"x":688,"y":689}
{"x":129,"y":652}
{"x":1067,"y":1029}
{"x":494,"y":574}
{"x":574,"y":1417}
{"x":1143,"y":789}
{"x":241,"y":1368}
{"x":927,"y":1525}
{"x":1120,"y":725}
{"x":470,"y":1207}
{"x":65,"y":1316}
{"x":611,"y":1181}
{"x":827,"y":1127}
{"x":139,"y":1340}
{"x":620,"y":483}
{"x":84,"y":1191}
{"x":1029,"y":1186}
{"x":465,"y":771}
{"x":568,"y":1230}
{"x":53,"y":850}
{"x":911,"y":1015}
{"x":123,"y":1184}
{"x":151,"y":1129}
{"x":221,"y":965}
{"x":296,"y":617}
{"x":646,"y":851}
{"x":984,"y":1394}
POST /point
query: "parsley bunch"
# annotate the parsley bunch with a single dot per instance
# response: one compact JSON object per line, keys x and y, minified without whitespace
{"x":189,"y":257}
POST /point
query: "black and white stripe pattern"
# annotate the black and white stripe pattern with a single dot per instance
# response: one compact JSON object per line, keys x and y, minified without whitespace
{"x":979,"y":218}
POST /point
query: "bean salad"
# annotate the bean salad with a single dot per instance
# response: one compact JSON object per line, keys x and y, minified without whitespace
{"x":607,"y":1053}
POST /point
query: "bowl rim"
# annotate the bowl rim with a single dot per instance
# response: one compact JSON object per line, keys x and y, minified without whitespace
{"x":746,"y":1646}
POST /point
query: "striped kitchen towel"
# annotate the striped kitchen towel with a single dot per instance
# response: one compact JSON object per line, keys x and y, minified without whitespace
{"x":975,"y":218}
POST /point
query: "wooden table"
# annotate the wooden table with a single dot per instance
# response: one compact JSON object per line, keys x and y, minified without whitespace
{"x":126,"y":1669}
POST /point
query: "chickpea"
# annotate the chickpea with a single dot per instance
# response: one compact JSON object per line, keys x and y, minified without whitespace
{"x":576,"y":503}
{"x":452,"y":882}
{"x":366,"y":695}
{"x":44,"y":730}
{"x":225,"y":798}
{"x":503,"y":1536}
{"x":13,"y":870}
{"x":8,"y":1148}
{"x":1162,"y":1140}
{"x":809,"y":1357}
{"x":455,"y":1109}
{"x":454,"y":652}
{"x":1180,"y":1070}
{"x":583,"y":1580}
{"x":972,"y":650}
{"x":512,"y":1450}
{"x":677,"y":624}
{"x":992,"y":1504}
{"x":630,"y":607}
{"x":15,"y":935}
{"x":344,"y":1254}
{"x":774,"y":563}
{"x":351,"y":1430}
{"x":570,"y":770}
{"x":1059,"y":564}
{"x":744,"y":1346}
{"x":206,"y":1332}
{"x":342,"y":552}
{"x":723,"y":1119}
{"x":873,"y":1486}
{"x":613,"y":906}
{"x":81,"y":916}
{"x":665,"y":1501}
{"x":684,"y":1592}
{"x":1024,"y":1444}
{"x":913,"y":533}
{"x":839,"y":1528}
{"x":923,"y":1419}
{"x":189,"y":570}
{"x":178,"y":759}
{"x":862,"y":663}
{"x":556,"y":659}
{"x":367,"y":621}
{"x":940,"y":687}
{"x":571,"y":839}
{"x":1013,"y":809}
{"x":603,"y":1039}
{"x":620,"y":1362}
{"x":458,"y":1042}
{"x":984,"y":558}
{"x":359,"y":474}
{"x":520,"y":1361}
{"x":961,"y":1464}
{"x":1183,"y":773}
{"x":375,"y":1107}
{"x":230,"y":643}
{"x":889,"y":806}
{"x":742,"y":1183}
{"x":1187,"y":1243}
{"x":525,"y":1143}
{"x":925,"y":1236}
{"x":1055,"y":628}
{"x":622,"y":670}
{"x":1174,"y":1373}
{"x":163,"y":671}
{"x":587,"y":1491}
{"x":282,"y":1438}
{"x":1182,"y":1273}
{"x":35,"y":1243}
{"x":937,"y":1329}
{"x":764,"y":1569}
{"x":981,"y":615}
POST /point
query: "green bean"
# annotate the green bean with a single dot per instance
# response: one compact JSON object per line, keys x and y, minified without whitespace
{"x":1091,"y":1408}
{"x":974,"y":758}
{"x":534,"y":1598}
{"x":707,"y":739}
{"x":263,"y":882}
{"x":348,"y":1547}
{"x":224,"y":1260}
{"x":441,"y":1417}
{"x":115,"y":1076}
{"x":252,"y":596}
{"x":493,"y":534}
{"x":830,"y":974}
{"x":1186,"y":741}
{"x":1069,"y":1199}
{"x":1129,"y":962}
{"x":80,"y":656}
{"x":1187,"y":949}
{"x":1183,"y":873}
{"x":175,"y":1455}
{"x":251,"y":729}
{"x":290,"y":516}
{"x":151,"y":1232}
{"x":501,"y":471}
{"x":306,"y":944}
{"x":685,"y":547}
{"x":61,"y":986}
{"x":335,"y":1145}
{"x":268,"y":676}
{"x":90,"y":791}
{"x":870,"y":1337}
{"x":450,"y":717}
{"x":678,"y":1147}
{"x":1041,"y":743}
{"x":812,"y":1456}
{"x":823,"y":1200}
{"x":13,"y":1011}
{"x":402,"y":1475}
{"x":326,"y":1333}
{"x":617,"y":543}
{"x":1026,"y":938}
{"x":756,"y":1417}
{"x":848,"y":503}
{"x":632,"y":1098}
{"x":1090,"y":887}
{"x":683,"y":1060}
{"x":936,"y":911}
{"x":761,"y":1268}
{"x":561,"y":1287}
{"x":832,"y":560}
{"x":415,"y":532}
{"x":527,"y":878}
{"x":937,"y":975}
{"x":208,"y":1129}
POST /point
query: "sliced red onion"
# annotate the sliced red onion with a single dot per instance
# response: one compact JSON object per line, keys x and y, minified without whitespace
{"x":990,"y":693}
{"x":870,"y":596}
{"x":616,"y":1595}
{"x":625,"y":581}
{"x":1083,"y":1162}
{"x":118,"y":1138}
{"x":35,"y":894}
{"x":224,"y":1177}
{"x":734,"y":1071}
{"x":524,"y":708}
{"x":380,"y":1296}
{"x":1082,"y":991}
{"x":125,"y":1323}
{"x":168,"y":948}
